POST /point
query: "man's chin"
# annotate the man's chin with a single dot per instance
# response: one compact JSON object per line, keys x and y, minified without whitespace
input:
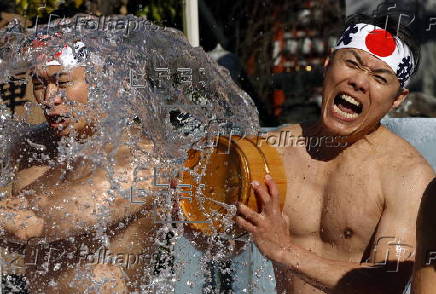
{"x":336,"y":127}
{"x":352,"y":131}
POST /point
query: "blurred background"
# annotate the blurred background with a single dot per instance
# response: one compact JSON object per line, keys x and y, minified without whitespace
{"x":273,"y":49}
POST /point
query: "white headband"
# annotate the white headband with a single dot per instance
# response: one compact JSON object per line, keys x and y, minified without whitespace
{"x":68,"y":56}
{"x":381,"y":44}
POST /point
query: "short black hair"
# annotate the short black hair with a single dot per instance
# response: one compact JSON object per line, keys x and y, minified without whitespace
{"x":402,"y":31}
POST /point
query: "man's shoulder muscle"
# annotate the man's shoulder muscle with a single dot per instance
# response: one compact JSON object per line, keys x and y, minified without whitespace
{"x":404,"y":171}
{"x":396,"y":154}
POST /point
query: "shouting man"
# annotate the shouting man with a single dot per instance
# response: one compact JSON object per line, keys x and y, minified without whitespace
{"x":348,"y":222}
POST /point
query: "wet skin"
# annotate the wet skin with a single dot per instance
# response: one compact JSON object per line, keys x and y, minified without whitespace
{"x":62,"y":94}
{"x":65,"y":211}
{"x":345,"y":206}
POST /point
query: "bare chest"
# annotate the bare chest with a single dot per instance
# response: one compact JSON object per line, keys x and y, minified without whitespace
{"x":334,"y":206}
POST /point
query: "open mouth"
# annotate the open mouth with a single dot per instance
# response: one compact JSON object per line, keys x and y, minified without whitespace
{"x":57,"y":120}
{"x":347,"y":107}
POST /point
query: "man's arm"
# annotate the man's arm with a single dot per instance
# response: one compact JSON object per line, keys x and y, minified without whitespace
{"x":80,"y":203}
{"x":270,"y":232}
{"x":17,"y":221}
{"x":424,"y":280}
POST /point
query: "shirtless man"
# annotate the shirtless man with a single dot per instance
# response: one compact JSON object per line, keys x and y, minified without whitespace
{"x":62,"y":209}
{"x":348,"y":222}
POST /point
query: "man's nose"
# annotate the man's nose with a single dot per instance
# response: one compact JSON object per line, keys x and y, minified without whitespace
{"x":52,"y":95}
{"x":359,"y":81}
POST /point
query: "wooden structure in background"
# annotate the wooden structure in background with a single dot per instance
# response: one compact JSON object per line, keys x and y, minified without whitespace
{"x":301,"y":43}
{"x":15,"y":94}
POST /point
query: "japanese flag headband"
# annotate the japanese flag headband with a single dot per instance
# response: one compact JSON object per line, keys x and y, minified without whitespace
{"x":67,"y":56}
{"x":381,"y":44}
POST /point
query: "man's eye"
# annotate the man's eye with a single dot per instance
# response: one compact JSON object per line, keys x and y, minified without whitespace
{"x":63,"y":84}
{"x":352,"y":63}
{"x":380,"y":79}
{"x":37,"y":84}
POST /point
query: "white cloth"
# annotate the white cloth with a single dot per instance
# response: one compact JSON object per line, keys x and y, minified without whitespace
{"x":68,"y":57}
{"x":381,"y":44}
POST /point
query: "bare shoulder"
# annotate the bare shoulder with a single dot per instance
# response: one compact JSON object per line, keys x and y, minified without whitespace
{"x":396,"y":152}
{"x":403,"y":168}
{"x":273,"y":135}
{"x":279,"y":138}
{"x":295,"y":129}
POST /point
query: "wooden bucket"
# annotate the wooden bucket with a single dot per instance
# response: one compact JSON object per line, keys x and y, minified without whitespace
{"x":228,"y":171}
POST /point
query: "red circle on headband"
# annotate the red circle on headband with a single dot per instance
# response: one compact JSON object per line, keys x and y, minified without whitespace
{"x":380,"y":42}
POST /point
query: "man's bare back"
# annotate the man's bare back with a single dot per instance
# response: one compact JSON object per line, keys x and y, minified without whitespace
{"x":336,"y":209}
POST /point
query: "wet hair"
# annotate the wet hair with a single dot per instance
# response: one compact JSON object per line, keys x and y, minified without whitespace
{"x":396,"y":28}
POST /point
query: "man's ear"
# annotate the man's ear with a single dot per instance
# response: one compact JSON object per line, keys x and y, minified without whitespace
{"x":326,"y":65}
{"x":327,"y":61}
{"x":400,"y":98}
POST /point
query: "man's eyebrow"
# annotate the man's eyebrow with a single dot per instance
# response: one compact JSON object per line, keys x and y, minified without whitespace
{"x":359,"y":59}
{"x":382,"y":70}
{"x":378,"y":70}
{"x":59,"y":74}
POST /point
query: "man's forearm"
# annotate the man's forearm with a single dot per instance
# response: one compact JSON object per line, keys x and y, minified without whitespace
{"x":320,"y":272}
{"x":332,"y":276}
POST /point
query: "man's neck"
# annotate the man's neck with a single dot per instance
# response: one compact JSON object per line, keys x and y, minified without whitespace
{"x":330,"y":145}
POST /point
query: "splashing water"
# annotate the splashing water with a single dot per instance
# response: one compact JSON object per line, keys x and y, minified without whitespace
{"x":149,"y":80}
